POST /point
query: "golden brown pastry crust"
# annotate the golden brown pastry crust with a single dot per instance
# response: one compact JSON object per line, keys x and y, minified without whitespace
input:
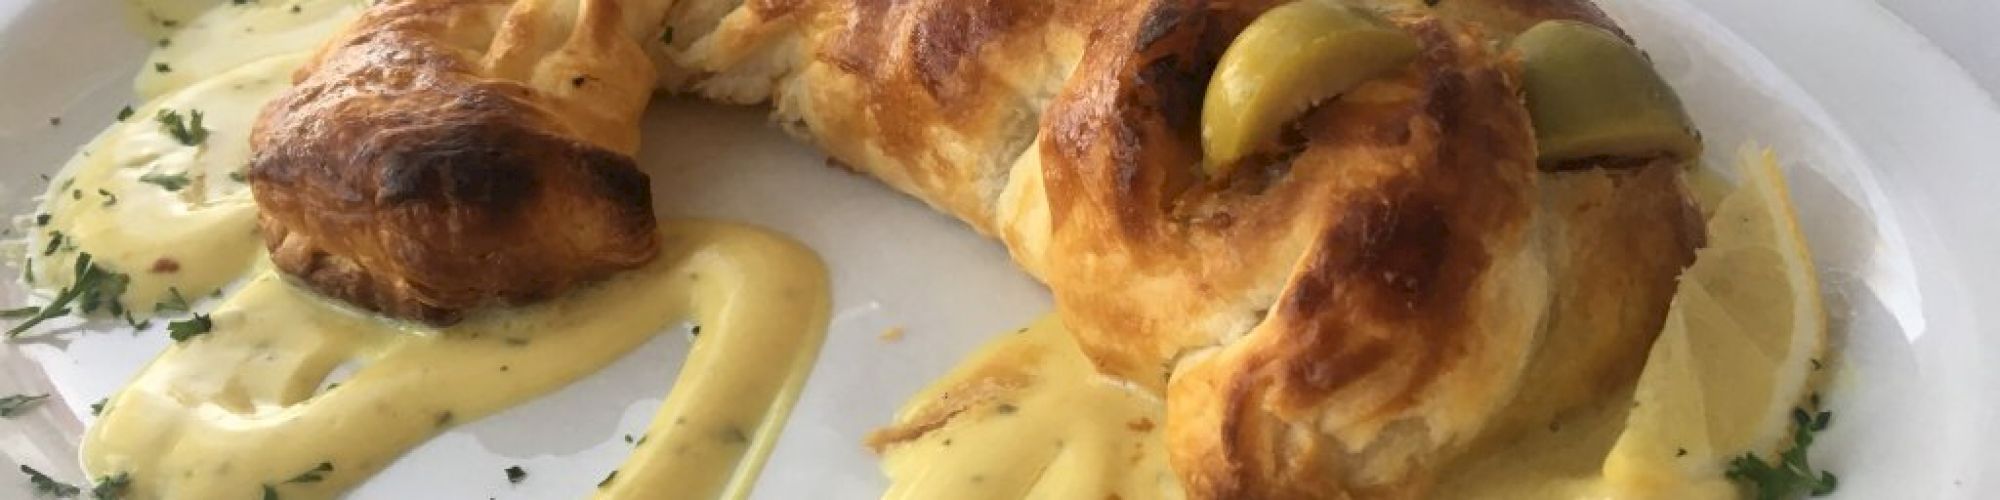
{"x":1338,"y":323}
{"x":1334,"y":322}
{"x":437,"y":156}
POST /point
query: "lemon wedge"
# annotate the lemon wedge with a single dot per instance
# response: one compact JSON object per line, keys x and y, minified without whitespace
{"x":1739,"y":347}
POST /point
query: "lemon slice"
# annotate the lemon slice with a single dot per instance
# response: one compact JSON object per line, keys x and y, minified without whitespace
{"x":1739,"y":346}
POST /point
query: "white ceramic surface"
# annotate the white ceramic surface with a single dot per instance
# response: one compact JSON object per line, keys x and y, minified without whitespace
{"x":1890,"y":148}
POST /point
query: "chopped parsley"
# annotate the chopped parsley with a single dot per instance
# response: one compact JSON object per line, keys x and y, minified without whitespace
{"x":668,"y":36}
{"x":109,"y":199}
{"x":42,"y":219}
{"x":126,"y":112}
{"x":55,"y":243}
{"x":607,"y":479}
{"x":162,"y":67}
{"x":112,"y":487}
{"x":20,"y":312}
{"x":136,"y":324}
{"x":189,"y":328}
{"x":187,"y":130}
{"x":270,"y":493}
{"x":173,"y":182}
{"x":1793,"y":473}
{"x":312,"y":476}
{"x":15,"y":405}
{"x":515,"y":474}
{"x":49,"y":486}
{"x":175,"y":301}
{"x":97,"y":408}
{"x":93,"y":287}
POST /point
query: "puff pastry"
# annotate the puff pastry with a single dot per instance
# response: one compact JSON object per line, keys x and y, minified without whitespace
{"x":440,"y":155}
{"x":1336,"y":323}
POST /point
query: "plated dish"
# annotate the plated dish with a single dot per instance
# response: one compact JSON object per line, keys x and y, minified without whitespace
{"x":397,"y":183}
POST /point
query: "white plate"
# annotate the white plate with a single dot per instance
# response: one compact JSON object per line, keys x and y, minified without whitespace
{"x":1890,"y":148}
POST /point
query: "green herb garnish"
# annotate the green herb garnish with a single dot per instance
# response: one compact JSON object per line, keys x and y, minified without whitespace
{"x":1793,"y":474}
{"x":174,"y":302}
{"x":112,"y":487}
{"x":189,"y":328}
{"x":15,"y":405}
{"x":55,"y":243}
{"x":312,"y":476}
{"x":97,"y":408}
{"x":93,"y":286}
{"x":515,"y":474}
{"x":270,"y":493}
{"x":49,"y":486}
{"x":126,"y":112}
{"x":173,"y":182}
{"x":188,"y":131}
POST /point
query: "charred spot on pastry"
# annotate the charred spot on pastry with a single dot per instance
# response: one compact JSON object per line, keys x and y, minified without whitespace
{"x":951,"y":33}
{"x":1399,"y":246}
{"x":1176,"y":88}
{"x":1160,"y":21}
{"x":617,"y":177}
{"x":478,"y":164}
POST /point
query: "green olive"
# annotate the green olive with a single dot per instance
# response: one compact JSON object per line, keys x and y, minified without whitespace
{"x":1283,"y":63}
{"x":1591,"y":94}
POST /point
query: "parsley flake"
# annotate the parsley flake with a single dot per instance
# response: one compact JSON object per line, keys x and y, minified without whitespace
{"x":94,"y":286}
{"x":112,"y":487}
{"x":188,"y":131}
{"x":1793,"y":473}
{"x":15,"y":405}
{"x":189,"y":328}
{"x":315,"y":475}
{"x":172,"y":182}
{"x":49,"y":486}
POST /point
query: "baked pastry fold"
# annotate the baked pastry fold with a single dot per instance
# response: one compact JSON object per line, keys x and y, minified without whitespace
{"x":440,"y":155}
{"x":1339,"y":319}
{"x":1338,"y":322}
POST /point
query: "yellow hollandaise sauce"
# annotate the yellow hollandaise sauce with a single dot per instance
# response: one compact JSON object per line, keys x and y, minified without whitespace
{"x":227,"y":412}
{"x":240,"y":405}
{"x":1027,"y":417}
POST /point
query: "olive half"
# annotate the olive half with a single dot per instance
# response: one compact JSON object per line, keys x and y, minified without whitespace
{"x":1287,"y":60}
{"x":1590,"y":94}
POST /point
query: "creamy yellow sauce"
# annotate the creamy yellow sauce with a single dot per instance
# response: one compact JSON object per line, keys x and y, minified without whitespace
{"x":224,"y":413}
{"x":212,"y":36}
{"x":242,"y":407}
{"x":1028,"y":417}
{"x":1069,"y":432}
{"x":193,"y":239}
